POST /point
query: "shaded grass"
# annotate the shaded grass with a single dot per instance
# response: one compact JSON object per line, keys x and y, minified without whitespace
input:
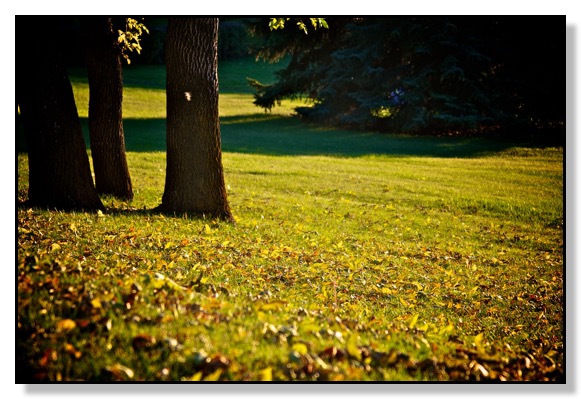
{"x":354,"y":257}
{"x":248,"y":129}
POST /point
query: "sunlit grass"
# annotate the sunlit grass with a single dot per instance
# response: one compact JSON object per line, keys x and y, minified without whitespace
{"x":366,"y":241}
{"x":140,"y":103}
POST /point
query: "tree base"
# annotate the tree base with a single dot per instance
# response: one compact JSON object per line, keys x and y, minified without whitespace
{"x":225,"y":216}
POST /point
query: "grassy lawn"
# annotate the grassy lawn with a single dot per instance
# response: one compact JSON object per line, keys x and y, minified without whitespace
{"x":355,"y":256}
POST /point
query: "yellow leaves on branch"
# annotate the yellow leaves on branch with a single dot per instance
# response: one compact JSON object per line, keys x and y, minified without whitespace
{"x":278,"y":23}
{"x":129,"y":39}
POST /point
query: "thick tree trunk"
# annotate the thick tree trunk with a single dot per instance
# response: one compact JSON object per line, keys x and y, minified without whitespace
{"x":105,"y":113}
{"x":194,"y":177}
{"x":59,"y":171}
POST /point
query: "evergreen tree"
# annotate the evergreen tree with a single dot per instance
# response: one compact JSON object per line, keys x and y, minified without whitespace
{"x":421,"y":74}
{"x":310,"y":58}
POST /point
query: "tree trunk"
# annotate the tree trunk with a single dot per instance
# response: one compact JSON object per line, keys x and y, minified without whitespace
{"x":194,"y":177}
{"x":59,"y":171}
{"x":105,"y":113}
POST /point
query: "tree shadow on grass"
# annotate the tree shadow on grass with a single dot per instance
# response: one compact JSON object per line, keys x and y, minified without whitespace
{"x":121,"y":208}
{"x":280,"y":135}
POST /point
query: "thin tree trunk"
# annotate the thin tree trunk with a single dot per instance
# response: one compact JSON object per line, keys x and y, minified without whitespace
{"x":194,"y":177}
{"x":59,"y":171}
{"x":105,"y":112}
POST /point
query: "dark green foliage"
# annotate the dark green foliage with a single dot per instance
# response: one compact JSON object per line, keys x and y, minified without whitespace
{"x":234,"y":39}
{"x":310,"y":60}
{"x":422,"y":75}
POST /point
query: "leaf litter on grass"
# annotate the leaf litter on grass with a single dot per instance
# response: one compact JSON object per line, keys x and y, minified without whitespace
{"x":327,"y":314}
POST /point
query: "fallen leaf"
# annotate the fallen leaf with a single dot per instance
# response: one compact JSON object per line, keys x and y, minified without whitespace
{"x":219,"y":361}
{"x":96,"y":303}
{"x":273,"y":305}
{"x":143,"y":341}
{"x":49,"y":355}
{"x":161,"y":281}
{"x":266,"y":374}
{"x":215,"y":376}
{"x":413,"y":321}
{"x":66,"y":325}
{"x":72,"y":350}
{"x":333,"y":352}
{"x":196,"y":377}
{"x":300,"y":348}
{"x":120,"y":371}
{"x":352,"y":347}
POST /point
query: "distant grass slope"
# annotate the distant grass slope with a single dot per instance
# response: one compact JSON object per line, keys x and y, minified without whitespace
{"x":354,"y":257}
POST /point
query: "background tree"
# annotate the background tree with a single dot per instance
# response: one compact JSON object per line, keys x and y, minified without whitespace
{"x":194,"y":175}
{"x":103,"y":53}
{"x":426,"y":74}
{"x":59,"y":171}
{"x":310,"y":58}
{"x":428,"y":82}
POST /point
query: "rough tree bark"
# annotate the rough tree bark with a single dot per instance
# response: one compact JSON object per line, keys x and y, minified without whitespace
{"x":194,"y":176}
{"x":105,"y":113}
{"x":59,"y":171}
